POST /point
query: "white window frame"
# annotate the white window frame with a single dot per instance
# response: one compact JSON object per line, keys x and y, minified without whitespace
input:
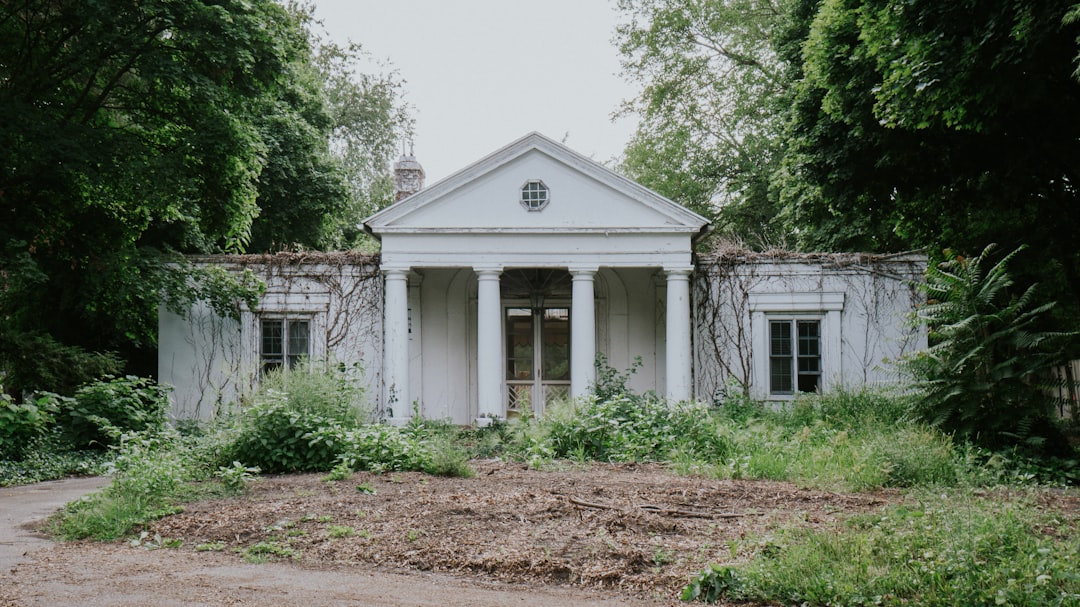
{"x":793,"y":356}
{"x":527,"y":198}
{"x":297,"y":303}
{"x":286,"y":322}
{"x":826,"y":308}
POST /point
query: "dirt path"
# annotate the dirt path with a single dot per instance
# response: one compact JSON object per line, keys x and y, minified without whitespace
{"x":579,"y":536}
{"x":36,"y":572}
{"x":114,"y":575}
{"x":24,"y":507}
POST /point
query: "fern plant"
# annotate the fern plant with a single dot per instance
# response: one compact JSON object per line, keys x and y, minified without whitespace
{"x":980,"y":378}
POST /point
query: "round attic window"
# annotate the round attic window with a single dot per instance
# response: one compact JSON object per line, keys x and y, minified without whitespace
{"x":535,"y":195}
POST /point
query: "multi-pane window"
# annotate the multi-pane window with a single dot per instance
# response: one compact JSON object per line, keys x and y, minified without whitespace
{"x":534,"y":195}
{"x":284,"y":342}
{"x":794,"y":356}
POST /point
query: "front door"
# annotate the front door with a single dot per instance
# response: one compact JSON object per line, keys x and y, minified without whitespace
{"x":538,"y":358}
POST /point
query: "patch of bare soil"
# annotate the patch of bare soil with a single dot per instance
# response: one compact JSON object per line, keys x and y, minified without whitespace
{"x":636,"y":531}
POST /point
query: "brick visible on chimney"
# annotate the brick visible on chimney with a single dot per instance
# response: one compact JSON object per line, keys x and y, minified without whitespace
{"x":408,"y":177}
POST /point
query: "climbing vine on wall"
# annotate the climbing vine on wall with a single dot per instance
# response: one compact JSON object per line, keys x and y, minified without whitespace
{"x":876,"y":287}
{"x":351,"y":323}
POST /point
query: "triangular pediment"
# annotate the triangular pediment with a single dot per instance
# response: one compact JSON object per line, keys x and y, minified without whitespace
{"x":583,"y":196}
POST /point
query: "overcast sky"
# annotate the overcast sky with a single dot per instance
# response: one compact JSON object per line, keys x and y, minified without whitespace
{"x":482,"y":73}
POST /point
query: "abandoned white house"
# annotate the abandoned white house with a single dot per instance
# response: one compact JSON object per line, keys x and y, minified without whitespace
{"x":497,"y":287}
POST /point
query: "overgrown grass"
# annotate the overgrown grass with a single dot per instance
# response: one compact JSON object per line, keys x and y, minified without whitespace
{"x":939,"y":548}
{"x":844,"y":440}
{"x":959,"y":538}
{"x":148,"y":474}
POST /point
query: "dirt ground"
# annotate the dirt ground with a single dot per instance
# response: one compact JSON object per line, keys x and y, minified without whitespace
{"x":589,"y":535}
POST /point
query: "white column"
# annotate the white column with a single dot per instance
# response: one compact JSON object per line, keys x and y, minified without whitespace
{"x":396,"y":346}
{"x":679,"y":359}
{"x":582,"y":332}
{"x":488,"y":347}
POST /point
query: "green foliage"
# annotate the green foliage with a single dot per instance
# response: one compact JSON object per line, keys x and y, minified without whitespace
{"x":135,"y":132}
{"x":955,"y":549}
{"x":614,"y":424}
{"x":311,"y":420}
{"x":277,"y":438}
{"x":444,"y":457}
{"x":149,"y":472}
{"x":21,"y":424}
{"x":324,"y":389}
{"x":979,"y":379}
{"x":381,"y":448}
{"x":937,"y":125}
{"x":627,"y":428}
{"x":35,"y":361}
{"x":108,"y":158}
{"x":370,"y":119}
{"x":103,"y":410}
{"x":50,"y":457}
{"x":299,"y":420}
{"x":222,"y":289}
{"x":710,"y":107}
{"x":237,"y":477}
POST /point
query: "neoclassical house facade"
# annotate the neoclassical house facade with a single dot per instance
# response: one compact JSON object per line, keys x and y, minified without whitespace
{"x":497,"y":288}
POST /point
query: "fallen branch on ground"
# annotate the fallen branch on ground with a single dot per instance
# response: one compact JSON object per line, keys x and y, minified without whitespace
{"x":656,"y":510}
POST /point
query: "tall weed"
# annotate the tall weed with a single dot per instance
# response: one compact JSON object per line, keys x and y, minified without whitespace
{"x":949,"y":549}
{"x":633,"y":428}
{"x":298,"y":420}
{"x":149,"y":471}
{"x":323,"y":389}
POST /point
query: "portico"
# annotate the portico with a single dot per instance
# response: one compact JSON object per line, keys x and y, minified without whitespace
{"x":504,"y":281}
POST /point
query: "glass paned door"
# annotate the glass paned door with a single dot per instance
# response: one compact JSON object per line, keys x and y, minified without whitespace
{"x":537,"y":358}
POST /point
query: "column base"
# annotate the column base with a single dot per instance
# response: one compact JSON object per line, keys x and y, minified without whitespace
{"x":484,"y":422}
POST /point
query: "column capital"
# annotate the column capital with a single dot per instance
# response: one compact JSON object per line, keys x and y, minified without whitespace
{"x":677,"y":271}
{"x":488,"y":270}
{"x":583,"y":270}
{"x":396,"y":270}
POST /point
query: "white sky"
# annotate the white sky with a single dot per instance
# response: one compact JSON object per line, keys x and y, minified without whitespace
{"x":482,"y":73}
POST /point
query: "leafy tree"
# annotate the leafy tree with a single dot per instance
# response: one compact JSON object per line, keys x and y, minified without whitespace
{"x":980,"y":378}
{"x":938,"y":124}
{"x":710,"y":106}
{"x":330,"y":143}
{"x":129,"y":131}
{"x":369,"y":122}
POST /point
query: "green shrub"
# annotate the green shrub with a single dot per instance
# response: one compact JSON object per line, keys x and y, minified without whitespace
{"x":958,"y":549}
{"x":21,"y":424}
{"x":298,"y":421}
{"x":103,"y":410}
{"x":633,"y":428}
{"x":277,"y":438}
{"x":381,"y":448}
{"x":979,"y":377}
{"x":446,"y":458}
{"x":49,"y":457}
{"x":36,"y":361}
{"x":426,"y":446}
{"x":323,"y":389}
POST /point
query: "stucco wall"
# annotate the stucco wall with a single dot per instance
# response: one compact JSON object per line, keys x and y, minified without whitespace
{"x":862,"y":302}
{"x":212,"y":362}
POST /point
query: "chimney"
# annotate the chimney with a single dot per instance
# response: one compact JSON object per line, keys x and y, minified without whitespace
{"x":408,"y":177}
